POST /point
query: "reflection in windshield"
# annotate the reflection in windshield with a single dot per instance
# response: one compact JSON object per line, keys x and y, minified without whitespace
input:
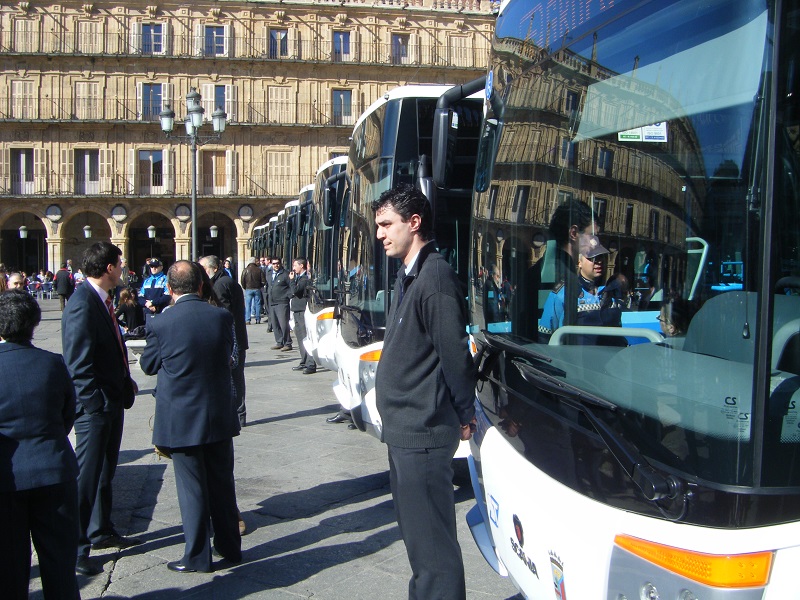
{"x":656,"y":153}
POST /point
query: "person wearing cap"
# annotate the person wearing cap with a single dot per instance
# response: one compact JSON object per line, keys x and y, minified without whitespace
{"x":154,"y":295}
{"x":589,"y":308}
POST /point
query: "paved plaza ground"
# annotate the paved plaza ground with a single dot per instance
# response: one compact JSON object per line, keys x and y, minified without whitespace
{"x":315,"y":497}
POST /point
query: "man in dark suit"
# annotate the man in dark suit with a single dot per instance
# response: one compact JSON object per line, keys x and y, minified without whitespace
{"x":279,"y":293}
{"x":38,"y":470}
{"x":231,"y":296}
{"x":299,"y":282}
{"x":97,"y":361}
{"x":189,"y":346}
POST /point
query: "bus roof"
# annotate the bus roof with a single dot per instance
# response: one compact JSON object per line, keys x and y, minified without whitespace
{"x":339,"y":160}
{"x":290,"y":204}
{"x":275,"y":218}
{"x":409,"y":91}
{"x":264,"y":226}
{"x":306,"y":188}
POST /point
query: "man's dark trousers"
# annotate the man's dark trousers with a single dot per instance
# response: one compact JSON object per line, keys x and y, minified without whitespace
{"x":279,"y":318}
{"x":237,"y":374}
{"x":299,"y":335}
{"x":204,"y":478}
{"x":421,"y":480}
{"x":97,"y":440}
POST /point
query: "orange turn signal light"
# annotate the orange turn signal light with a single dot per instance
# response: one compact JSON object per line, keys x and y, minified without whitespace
{"x":325,"y":315}
{"x":372,"y":356}
{"x":726,"y":571}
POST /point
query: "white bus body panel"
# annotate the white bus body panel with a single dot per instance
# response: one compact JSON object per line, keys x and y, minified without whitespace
{"x":320,"y":336}
{"x":561,"y":527}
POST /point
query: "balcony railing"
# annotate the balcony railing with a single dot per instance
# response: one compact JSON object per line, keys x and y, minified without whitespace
{"x":363,"y":51}
{"x":282,"y":112}
{"x":154,"y":185}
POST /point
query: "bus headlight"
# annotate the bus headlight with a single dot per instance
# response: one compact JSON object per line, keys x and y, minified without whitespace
{"x":367,"y":367}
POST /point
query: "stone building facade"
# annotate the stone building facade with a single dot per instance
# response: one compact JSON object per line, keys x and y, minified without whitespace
{"x":82,"y":154}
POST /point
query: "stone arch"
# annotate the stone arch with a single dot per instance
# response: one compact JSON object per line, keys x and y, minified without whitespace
{"x":27,"y":254}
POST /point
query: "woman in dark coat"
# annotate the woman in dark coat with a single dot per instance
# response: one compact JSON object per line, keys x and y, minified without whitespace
{"x":38,"y":469}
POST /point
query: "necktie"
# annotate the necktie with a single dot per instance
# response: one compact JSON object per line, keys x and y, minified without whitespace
{"x":400,"y":278}
{"x":110,"y":308}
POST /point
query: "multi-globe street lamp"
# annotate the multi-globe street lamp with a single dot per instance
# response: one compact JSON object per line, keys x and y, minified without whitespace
{"x":194,"y":120}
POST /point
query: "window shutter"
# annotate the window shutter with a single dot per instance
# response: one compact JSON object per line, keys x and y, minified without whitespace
{"x":227,"y":43}
{"x":169,"y":170}
{"x":199,"y":39}
{"x":135,"y":42}
{"x":41,"y":170}
{"x":167,"y":92}
{"x":231,"y":171}
{"x":67,"y":171}
{"x":413,"y":48}
{"x":133,"y":167}
{"x":207,"y":91}
{"x":5,"y":168}
{"x":231,"y":102}
{"x":106,"y":171}
{"x":139,"y":101}
{"x":294,"y":50}
{"x":166,"y":40}
{"x":355,"y":46}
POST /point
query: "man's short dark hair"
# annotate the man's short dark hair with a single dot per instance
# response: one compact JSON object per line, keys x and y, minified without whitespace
{"x":212,"y":261}
{"x":19,"y":316}
{"x":572,"y":212}
{"x":98,"y":256}
{"x":183,"y":278}
{"x":406,"y":201}
{"x":302,"y":260}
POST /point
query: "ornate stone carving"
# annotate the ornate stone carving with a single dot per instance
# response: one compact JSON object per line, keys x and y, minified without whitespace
{"x":280,"y":16}
{"x":151,"y":11}
{"x":341,"y":18}
{"x":215,"y":12}
{"x":24,"y":7}
{"x":88,"y":9}
{"x":86,"y":136}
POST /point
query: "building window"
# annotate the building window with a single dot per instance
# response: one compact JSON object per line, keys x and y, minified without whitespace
{"x":492,"y":203}
{"x":280,"y":108}
{"x":668,"y":229}
{"x":570,"y":102}
{"x":87,"y":172}
{"x":87,"y":100}
{"x":151,"y":101}
{"x":25,"y":36}
{"x":629,"y":219}
{"x":151,"y":171}
{"x":563,"y":197}
{"x":520,"y":204}
{"x":400,"y":47}
{"x":460,"y":52}
{"x":152,"y":38}
{"x":568,"y":152}
{"x":219,"y":172}
{"x":279,"y":173}
{"x":214,"y":40}
{"x":22,"y":171}
{"x":654,"y":221}
{"x":23,"y":100}
{"x":341,"y":46}
{"x":605,"y":162}
{"x":89,"y":40}
{"x":342,"y":107}
{"x":599,"y":206}
{"x":278,"y":43}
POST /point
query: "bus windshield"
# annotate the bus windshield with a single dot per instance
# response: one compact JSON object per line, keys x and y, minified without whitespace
{"x":635,"y":224}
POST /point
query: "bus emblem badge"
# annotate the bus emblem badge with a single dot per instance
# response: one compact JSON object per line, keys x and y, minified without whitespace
{"x":558,"y":577}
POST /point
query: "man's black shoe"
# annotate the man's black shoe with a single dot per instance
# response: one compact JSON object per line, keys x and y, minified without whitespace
{"x":351,"y":426}
{"x":298,"y":367}
{"x":338,"y":418}
{"x":286,"y":348}
{"x":85,"y":566}
{"x":116,"y":541}
{"x":179,"y":567}
{"x":308,"y":371}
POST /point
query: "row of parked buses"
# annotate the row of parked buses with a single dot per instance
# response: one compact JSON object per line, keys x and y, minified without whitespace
{"x":656,"y":456}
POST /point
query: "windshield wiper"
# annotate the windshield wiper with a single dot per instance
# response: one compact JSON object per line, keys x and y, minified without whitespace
{"x":653,"y":485}
{"x":504,"y":343}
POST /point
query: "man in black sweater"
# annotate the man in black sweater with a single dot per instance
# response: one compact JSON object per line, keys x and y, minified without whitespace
{"x":425,"y":389}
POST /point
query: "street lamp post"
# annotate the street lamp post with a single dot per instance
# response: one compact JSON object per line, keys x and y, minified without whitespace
{"x":194,"y":120}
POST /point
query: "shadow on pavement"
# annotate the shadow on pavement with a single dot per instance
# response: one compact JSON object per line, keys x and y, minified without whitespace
{"x":322,"y":410}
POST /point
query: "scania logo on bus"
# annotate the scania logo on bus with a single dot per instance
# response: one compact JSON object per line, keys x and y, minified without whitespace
{"x":516,"y":546}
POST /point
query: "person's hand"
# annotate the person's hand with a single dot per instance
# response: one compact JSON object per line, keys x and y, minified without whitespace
{"x":291,"y":274}
{"x":466,"y":430}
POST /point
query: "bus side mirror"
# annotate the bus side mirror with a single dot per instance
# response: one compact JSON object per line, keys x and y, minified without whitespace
{"x":445,"y":136}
